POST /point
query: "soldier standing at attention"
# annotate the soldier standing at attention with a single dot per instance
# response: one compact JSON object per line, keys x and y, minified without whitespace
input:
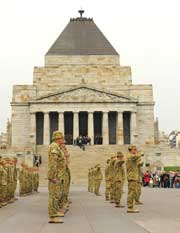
{"x":89,"y":179}
{"x":54,"y":156}
{"x":132,"y":177}
{"x":111,"y":178}
{"x":98,"y":179}
{"x":64,"y":177}
{"x":118,"y":177}
{"x":139,"y":183}
{"x":92,"y":180}
{"x":107,"y":180}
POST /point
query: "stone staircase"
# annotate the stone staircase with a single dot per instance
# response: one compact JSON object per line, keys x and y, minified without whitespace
{"x":82,"y":160}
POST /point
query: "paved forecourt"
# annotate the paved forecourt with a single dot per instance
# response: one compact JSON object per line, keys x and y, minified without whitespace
{"x":93,"y":214}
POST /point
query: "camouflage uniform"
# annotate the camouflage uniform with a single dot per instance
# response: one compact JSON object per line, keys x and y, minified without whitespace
{"x":111,"y":178}
{"x":22,"y":188}
{"x":97,"y":179}
{"x":2,"y":188}
{"x":139,"y":183}
{"x":89,"y":180}
{"x":56,"y":169}
{"x":118,"y":178}
{"x":107,"y":180}
{"x":92,"y":180}
{"x":132,"y":177}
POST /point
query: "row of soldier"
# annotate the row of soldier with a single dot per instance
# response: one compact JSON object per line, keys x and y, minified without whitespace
{"x":8,"y":180}
{"x":94,"y":179}
{"x":59,"y":178}
{"x":28,"y":180}
{"x":115,"y":178}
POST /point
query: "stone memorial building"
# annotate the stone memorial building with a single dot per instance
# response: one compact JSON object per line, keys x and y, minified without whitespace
{"x":82,"y":90}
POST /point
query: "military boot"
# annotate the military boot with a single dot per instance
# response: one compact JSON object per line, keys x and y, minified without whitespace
{"x":118,"y":205}
{"x":55,"y":220}
{"x":131,"y":210}
{"x":138,"y":203}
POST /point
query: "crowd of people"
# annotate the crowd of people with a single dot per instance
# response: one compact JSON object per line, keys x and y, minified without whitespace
{"x":59,"y":178}
{"x":82,"y":141}
{"x":164,"y":179}
{"x":115,"y":178}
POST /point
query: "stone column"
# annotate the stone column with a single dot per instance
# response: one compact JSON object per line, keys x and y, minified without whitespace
{"x":105,"y":130}
{"x":46,"y":128}
{"x":75,"y":125}
{"x":120,"y":132}
{"x":91,"y":126}
{"x":33,"y":130}
{"x":134,"y":128}
{"x":61,"y":122}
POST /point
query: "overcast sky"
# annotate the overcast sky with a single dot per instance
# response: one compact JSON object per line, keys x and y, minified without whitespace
{"x":145,"y":33}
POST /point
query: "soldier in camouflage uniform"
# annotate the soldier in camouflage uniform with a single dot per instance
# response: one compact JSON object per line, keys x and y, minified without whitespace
{"x":92,"y":180}
{"x":56,"y":168}
{"x":107,"y":180}
{"x":1,"y":181}
{"x":14,"y":177}
{"x":9,"y":180}
{"x":65,"y":178}
{"x":89,"y":180}
{"x":139,"y":183}
{"x":36,"y":179}
{"x":97,"y":179}
{"x":132,"y":176}
{"x":111,"y":178}
{"x":22,"y":177}
{"x":119,"y":175}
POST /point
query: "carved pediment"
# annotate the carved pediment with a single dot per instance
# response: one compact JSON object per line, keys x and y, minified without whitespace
{"x":84,"y":95}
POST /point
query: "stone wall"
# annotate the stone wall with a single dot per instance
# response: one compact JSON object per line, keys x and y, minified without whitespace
{"x":20,"y":126}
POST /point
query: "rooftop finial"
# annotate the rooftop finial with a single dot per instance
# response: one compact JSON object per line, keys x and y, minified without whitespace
{"x":81,"y":12}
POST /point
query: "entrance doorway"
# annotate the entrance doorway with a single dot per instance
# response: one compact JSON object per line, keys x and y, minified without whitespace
{"x":68,"y":127}
{"x":98,"y":139}
{"x":112,"y":121}
{"x":53,"y":117}
{"x":127,"y":127}
{"x":39,"y":128}
{"x":83,"y":124}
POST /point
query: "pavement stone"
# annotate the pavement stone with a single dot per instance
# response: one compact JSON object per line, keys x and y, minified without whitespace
{"x":91,"y":214}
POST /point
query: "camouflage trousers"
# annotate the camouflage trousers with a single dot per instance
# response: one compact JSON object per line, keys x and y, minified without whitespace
{"x":112,"y":190}
{"x":132,"y":188}
{"x":2,"y":191}
{"x":97,"y":184}
{"x":91,"y":186}
{"x":138,"y":191}
{"x":118,"y":191}
{"x":61,"y":194}
{"x":107,"y":190}
{"x":53,"y":202}
{"x":22,"y":188}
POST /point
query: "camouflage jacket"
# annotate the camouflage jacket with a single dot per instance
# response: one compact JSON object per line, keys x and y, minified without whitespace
{"x":132,"y":167}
